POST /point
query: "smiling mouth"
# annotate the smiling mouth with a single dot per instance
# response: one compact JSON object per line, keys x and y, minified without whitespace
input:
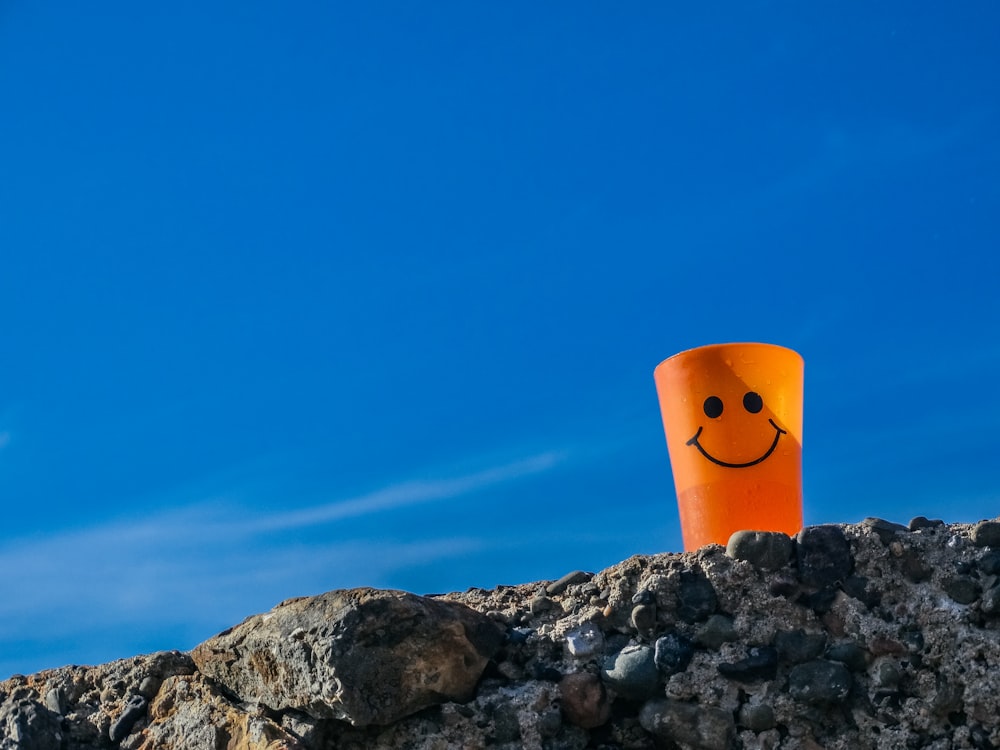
{"x":778,"y":432}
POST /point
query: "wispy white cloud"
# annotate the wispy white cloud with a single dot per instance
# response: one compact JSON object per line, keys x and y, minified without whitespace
{"x":404,"y":494}
{"x":197,"y":567}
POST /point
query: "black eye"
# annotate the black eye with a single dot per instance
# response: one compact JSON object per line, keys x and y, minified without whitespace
{"x":713,"y":406}
{"x":752,"y":402}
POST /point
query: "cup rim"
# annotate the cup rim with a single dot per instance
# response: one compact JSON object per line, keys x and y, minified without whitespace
{"x":709,"y":347}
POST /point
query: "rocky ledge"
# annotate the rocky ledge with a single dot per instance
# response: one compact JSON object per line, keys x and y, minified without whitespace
{"x":874,"y":635}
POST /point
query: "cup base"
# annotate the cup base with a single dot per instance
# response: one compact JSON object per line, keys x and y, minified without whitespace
{"x":711,"y":513}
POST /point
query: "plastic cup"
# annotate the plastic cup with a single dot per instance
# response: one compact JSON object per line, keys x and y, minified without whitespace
{"x":732,"y":414}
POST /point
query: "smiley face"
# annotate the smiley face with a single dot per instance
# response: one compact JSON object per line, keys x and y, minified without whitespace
{"x":713,"y":408}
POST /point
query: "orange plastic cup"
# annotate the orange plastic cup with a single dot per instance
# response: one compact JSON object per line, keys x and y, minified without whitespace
{"x":732,"y":414}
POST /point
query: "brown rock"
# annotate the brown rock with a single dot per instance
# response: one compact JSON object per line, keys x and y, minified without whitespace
{"x":366,"y":656}
{"x":584,"y":700}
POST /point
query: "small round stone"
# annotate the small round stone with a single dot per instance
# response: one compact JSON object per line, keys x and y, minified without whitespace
{"x":990,"y":603}
{"x":644,"y":617}
{"x":673,"y":653}
{"x":756,"y":716}
{"x":632,"y":672}
{"x":989,"y":563}
{"x":824,"y":555}
{"x":886,"y":674}
{"x":584,"y":700}
{"x":506,"y":724}
{"x":797,"y":646}
{"x":884,"y":530}
{"x":718,"y":629}
{"x":986,"y":534}
{"x":962,"y":589}
{"x":853,"y":656}
{"x":760,"y":664}
{"x":819,"y":682}
{"x":922,"y":522}
{"x":696,"y":597}
{"x":687,"y":724}
{"x":767,"y":550}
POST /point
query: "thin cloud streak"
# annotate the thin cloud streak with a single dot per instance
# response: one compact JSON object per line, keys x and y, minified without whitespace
{"x":200,"y":559}
{"x":404,"y":495}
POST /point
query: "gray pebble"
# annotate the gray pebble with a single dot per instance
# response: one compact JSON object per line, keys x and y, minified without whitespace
{"x":886,"y":674}
{"x":963,"y":589}
{"x":819,"y":682}
{"x":632,"y":672}
{"x":797,"y":646}
{"x":756,"y":716}
{"x":541,"y":604}
{"x":54,"y":700}
{"x":584,"y":641}
{"x":149,"y":687}
{"x":986,"y":534}
{"x":673,"y":653}
{"x":570,"y":579}
{"x":506,"y":726}
{"x":922,"y":522}
{"x":913,"y":566}
{"x":135,"y":709}
{"x":644,"y":596}
{"x":884,"y":530}
{"x":688,"y":724}
{"x":767,"y":550}
{"x":989,"y":563}
{"x":760,"y":664}
{"x":716,"y":631}
{"x":549,"y":723}
{"x":823,"y":554}
{"x":853,"y":656}
{"x":644,"y":617}
{"x":696,"y":597}
{"x":990,"y":603}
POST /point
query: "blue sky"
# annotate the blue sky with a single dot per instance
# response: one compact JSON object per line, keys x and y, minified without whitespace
{"x":326,"y":295}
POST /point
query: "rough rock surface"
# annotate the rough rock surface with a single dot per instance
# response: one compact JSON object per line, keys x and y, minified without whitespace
{"x":365,"y":656}
{"x":875,"y":635}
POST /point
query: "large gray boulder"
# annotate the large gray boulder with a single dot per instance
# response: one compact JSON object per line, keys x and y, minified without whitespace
{"x":366,"y":656}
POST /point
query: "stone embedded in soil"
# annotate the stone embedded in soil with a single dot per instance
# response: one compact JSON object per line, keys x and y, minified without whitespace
{"x":673,"y":653}
{"x":962,"y":589}
{"x":922,"y":522}
{"x":884,"y":530}
{"x":696,"y":597}
{"x":853,"y":656}
{"x":819,"y":682}
{"x":767,"y":550}
{"x":756,"y":716}
{"x":797,"y":646}
{"x":632,"y":672}
{"x":718,"y":629}
{"x":989,"y":604}
{"x":570,"y":579}
{"x":823,"y":554}
{"x":584,"y":700}
{"x":986,"y":534}
{"x":688,"y":724}
{"x":643,"y":617}
{"x":135,"y":709}
{"x":989,"y":563}
{"x":760,"y":664}
{"x":585,"y":641}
